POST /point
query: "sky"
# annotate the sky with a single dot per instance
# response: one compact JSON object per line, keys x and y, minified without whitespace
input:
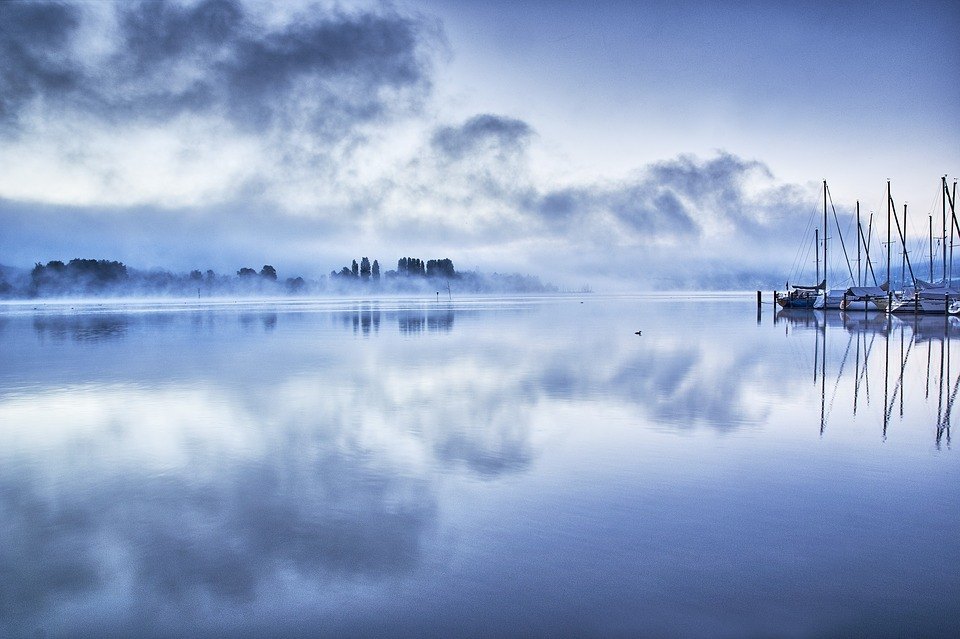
{"x":612,"y":144}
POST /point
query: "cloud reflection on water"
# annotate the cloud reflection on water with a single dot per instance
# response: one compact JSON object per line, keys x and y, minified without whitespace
{"x":200,"y":505}
{"x":215,"y":464}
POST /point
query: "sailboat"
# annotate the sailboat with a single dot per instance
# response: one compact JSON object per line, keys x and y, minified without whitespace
{"x":833,"y":299}
{"x":810,"y":297}
{"x":865,"y":298}
{"x":861,"y":297}
{"x":801,"y":295}
{"x":927,"y":297}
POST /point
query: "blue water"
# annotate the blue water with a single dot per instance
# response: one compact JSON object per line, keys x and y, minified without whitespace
{"x":481,"y":467}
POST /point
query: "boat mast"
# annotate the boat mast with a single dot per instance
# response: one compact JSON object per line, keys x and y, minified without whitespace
{"x":859,"y":278}
{"x":843,"y":246}
{"x":931,"y":248}
{"x":816,"y":252}
{"x":866,"y":249}
{"x":944,"y":198}
{"x":889,"y":284}
{"x":903,"y":253}
{"x":825,"y":288}
{"x":903,"y":242}
{"x":953,"y":217}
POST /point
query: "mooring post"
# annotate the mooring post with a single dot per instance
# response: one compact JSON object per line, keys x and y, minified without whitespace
{"x":759,"y":299}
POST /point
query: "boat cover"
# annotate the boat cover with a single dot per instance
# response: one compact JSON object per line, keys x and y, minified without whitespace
{"x":866,"y":291}
{"x":938,"y":293}
{"x":822,"y":284}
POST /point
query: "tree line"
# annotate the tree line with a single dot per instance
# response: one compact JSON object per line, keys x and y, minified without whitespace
{"x":406,"y":267}
{"x":104,"y":278}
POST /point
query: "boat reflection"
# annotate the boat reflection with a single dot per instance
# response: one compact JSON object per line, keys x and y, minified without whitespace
{"x":900,"y":349}
{"x":817,"y":319}
{"x":867,"y":322}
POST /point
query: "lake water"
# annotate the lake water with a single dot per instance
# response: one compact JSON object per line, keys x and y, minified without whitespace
{"x":481,"y":467}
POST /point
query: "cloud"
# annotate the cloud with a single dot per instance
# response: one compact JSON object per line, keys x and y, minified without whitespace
{"x":34,"y":62}
{"x":675,"y":200}
{"x":677,"y":222}
{"x":327,"y":70}
{"x":213,"y":134}
{"x":501,"y":135}
{"x":201,"y":103}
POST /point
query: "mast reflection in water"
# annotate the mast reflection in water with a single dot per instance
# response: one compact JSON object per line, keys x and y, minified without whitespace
{"x":900,"y":350}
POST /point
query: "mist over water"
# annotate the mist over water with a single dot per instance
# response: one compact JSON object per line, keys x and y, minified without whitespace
{"x":480,"y":466}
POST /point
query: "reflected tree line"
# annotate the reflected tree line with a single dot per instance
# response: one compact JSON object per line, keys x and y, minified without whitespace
{"x":104,"y":326}
{"x":367,"y":319}
{"x":104,"y":278}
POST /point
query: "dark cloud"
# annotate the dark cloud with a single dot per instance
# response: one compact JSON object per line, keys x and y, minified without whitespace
{"x":676,"y":200}
{"x":652,"y":211}
{"x":720,"y":176}
{"x":482,"y":133}
{"x":680,"y":200}
{"x":326,"y":71}
{"x":34,"y":61}
{"x":560,"y":204}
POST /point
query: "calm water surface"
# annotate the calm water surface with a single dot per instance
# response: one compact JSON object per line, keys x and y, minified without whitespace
{"x":482,"y":467}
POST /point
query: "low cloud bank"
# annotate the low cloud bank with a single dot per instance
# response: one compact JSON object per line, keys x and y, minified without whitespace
{"x":213,"y":133}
